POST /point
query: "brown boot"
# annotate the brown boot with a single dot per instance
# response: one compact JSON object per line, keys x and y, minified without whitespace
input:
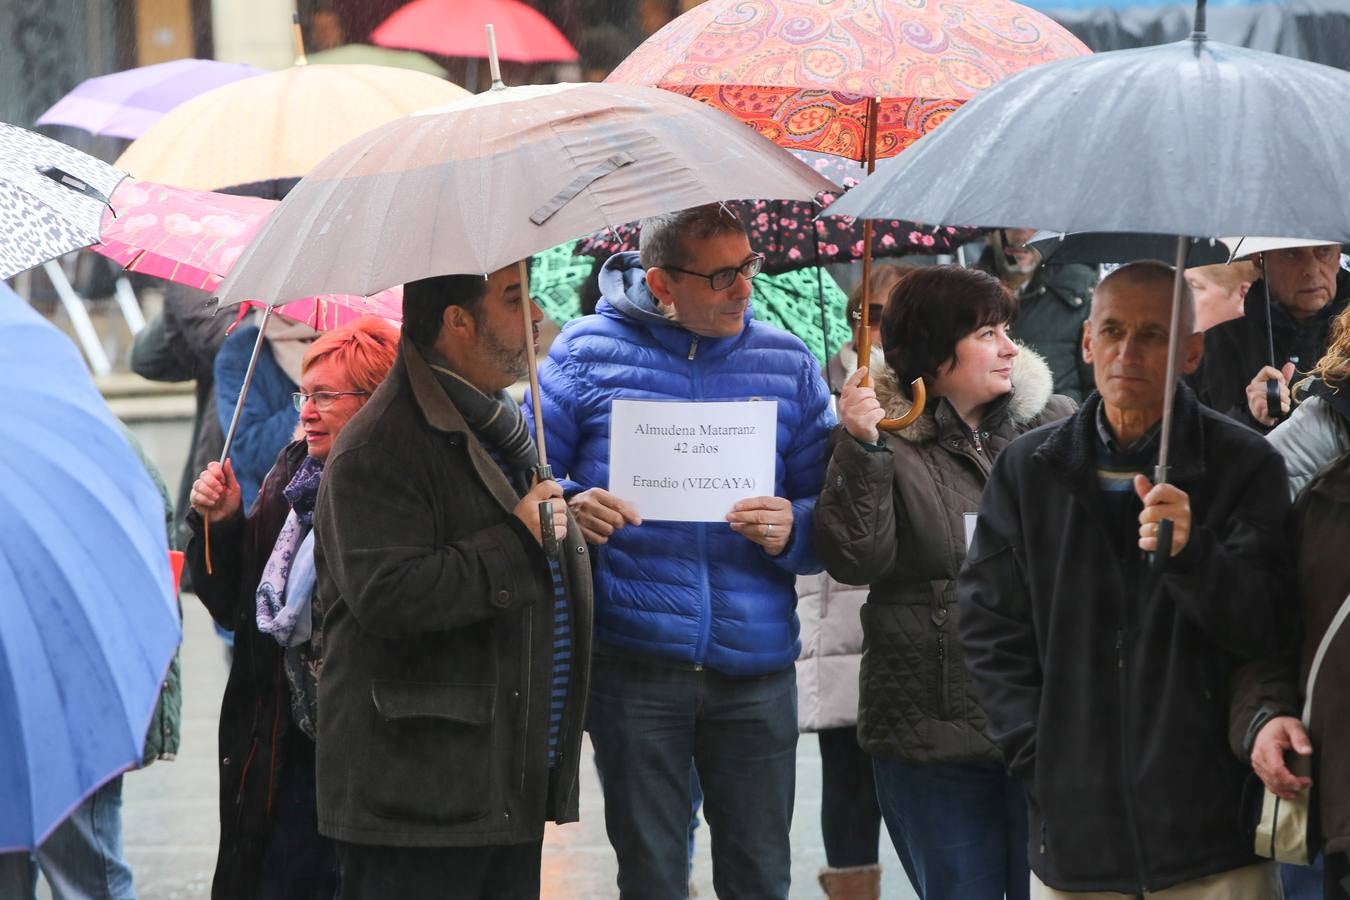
{"x":853,"y":883}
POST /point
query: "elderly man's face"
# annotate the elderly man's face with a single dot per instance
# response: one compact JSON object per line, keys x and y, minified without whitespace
{"x":690,"y":299}
{"x":1126,"y":343}
{"x":1303,"y":279}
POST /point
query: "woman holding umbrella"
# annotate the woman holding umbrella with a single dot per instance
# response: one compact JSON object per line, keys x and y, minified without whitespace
{"x":258,"y":582}
{"x":895,"y":515}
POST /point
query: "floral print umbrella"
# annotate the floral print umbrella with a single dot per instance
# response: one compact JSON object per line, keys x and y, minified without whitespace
{"x":790,"y":237}
{"x":814,"y":74}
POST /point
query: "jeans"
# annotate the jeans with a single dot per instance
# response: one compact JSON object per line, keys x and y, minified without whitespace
{"x":649,"y":722}
{"x":81,"y":860}
{"x":960,"y":830}
{"x":1303,"y":882}
{"x":850,"y":820}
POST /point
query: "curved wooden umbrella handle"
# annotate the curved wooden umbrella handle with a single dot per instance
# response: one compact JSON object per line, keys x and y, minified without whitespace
{"x":920,"y":398}
{"x":917,"y":390}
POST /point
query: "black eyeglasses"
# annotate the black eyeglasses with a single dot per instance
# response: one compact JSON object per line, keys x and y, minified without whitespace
{"x":725,"y":278}
{"x":323,"y":400}
{"x":874,"y":311}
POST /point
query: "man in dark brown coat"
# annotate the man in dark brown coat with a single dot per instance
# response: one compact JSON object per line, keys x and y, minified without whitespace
{"x":457,"y":654}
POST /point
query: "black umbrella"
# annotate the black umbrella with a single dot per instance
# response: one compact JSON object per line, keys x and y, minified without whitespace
{"x":1161,"y":142}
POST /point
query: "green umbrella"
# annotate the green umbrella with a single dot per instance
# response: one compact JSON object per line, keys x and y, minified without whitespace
{"x":365,"y":54}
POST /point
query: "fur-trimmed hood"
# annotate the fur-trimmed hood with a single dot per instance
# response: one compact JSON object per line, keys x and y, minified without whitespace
{"x":1033,"y":386}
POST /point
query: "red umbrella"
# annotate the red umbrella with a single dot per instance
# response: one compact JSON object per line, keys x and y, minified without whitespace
{"x":862,"y":79}
{"x":455,"y":28}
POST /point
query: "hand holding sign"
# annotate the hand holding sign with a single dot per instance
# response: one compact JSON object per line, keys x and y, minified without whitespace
{"x":599,"y":514}
{"x":765,"y":520}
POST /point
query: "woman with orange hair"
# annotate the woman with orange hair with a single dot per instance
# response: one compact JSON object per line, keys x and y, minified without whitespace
{"x":258,"y":582}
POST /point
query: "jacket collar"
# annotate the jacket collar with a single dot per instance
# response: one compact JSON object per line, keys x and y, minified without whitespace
{"x":441,"y":414}
{"x":1072,"y":447}
{"x":1033,"y":386}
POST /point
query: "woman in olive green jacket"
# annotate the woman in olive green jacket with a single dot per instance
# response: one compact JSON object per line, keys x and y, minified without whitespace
{"x":895,"y":514}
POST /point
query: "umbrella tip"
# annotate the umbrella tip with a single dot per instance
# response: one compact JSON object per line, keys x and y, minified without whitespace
{"x":299,"y":38}
{"x":493,"y":63}
{"x":1198,"y":30}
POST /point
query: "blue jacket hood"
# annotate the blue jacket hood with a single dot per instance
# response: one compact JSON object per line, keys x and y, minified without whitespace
{"x":623,"y":289}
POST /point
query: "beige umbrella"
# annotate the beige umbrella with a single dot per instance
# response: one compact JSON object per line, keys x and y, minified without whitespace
{"x":277,"y":126}
{"x":499,"y":176}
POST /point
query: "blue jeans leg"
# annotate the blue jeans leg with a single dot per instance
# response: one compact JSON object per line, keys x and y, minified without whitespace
{"x":960,"y":831}
{"x":641,"y":720}
{"x":82,"y":860}
{"x":1303,"y":882}
{"x":650,"y":723}
{"x":746,"y":753}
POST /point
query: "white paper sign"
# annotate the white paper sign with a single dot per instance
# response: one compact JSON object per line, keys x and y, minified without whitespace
{"x":690,"y":462}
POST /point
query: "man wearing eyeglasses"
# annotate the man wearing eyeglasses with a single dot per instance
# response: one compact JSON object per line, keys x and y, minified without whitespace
{"x":695,"y":629}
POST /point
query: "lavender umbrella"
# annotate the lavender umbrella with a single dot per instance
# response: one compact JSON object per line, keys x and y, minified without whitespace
{"x":125,"y":104}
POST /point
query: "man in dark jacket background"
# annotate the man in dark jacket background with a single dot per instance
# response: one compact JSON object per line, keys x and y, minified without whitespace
{"x":456,"y":656}
{"x":1105,"y":682}
{"x":1308,"y":291}
{"x":1053,"y":302}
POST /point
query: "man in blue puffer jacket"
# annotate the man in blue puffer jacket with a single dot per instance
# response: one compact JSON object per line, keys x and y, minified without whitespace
{"x":695,"y":628}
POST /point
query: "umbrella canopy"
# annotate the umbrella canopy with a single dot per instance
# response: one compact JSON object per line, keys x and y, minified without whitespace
{"x":52,"y":198}
{"x":1150,"y":155}
{"x":368,"y":55}
{"x":125,"y":104}
{"x":277,"y":126}
{"x":194,"y":237}
{"x":1093,"y":247}
{"x":455,"y":28}
{"x":88,"y":622}
{"x":1152,"y":150}
{"x":784,"y":230}
{"x":804,"y":72}
{"x":498,"y":177}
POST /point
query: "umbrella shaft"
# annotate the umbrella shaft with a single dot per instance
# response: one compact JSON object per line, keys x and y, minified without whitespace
{"x":1173,"y":343}
{"x":536,"y":404}
{"x":243,"y":390}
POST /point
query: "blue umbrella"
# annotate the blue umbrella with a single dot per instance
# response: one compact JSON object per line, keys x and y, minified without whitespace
{"x":88,"y":624}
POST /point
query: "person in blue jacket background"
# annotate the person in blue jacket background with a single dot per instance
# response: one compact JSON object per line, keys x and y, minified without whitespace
{"x":696,"y":630}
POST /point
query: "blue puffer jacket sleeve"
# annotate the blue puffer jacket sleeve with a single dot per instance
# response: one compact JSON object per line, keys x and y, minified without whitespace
{"x":804,"y":471}
{"x":558,"y":401}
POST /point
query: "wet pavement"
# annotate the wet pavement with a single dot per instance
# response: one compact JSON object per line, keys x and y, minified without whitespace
{"x":170,"y":822}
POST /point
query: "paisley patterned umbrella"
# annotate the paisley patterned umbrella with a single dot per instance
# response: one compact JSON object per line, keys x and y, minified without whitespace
{"x":814,"y":74}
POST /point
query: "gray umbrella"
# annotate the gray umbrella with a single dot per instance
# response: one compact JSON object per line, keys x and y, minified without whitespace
{"x":1191,"y":138}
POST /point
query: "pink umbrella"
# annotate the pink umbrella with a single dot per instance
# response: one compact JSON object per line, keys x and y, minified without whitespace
{"x":193,"y":237}
{"x":455,"y":28}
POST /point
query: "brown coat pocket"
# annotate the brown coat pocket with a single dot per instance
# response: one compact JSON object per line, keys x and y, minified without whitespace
{"x":431,"y":751}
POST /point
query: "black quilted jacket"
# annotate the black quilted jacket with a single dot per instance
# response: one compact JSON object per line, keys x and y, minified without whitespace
{"x":894,"y":519}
